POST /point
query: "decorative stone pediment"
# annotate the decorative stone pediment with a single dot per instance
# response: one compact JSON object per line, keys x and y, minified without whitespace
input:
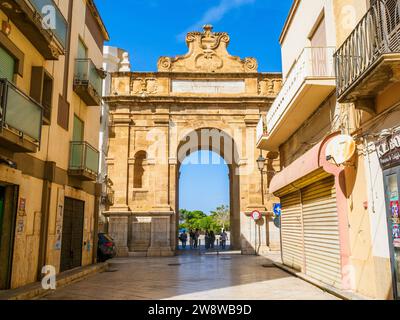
{"x":207,"y":53}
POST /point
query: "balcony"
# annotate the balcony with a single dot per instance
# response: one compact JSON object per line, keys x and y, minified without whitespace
{"x":262,"y":136}
{"x":88,"y":82}
{"x":309,"y":83}
{"x":20,"y":120}
{"x":369,"y":60}
{"x":84,"y":161}
{"x":30,"y":17}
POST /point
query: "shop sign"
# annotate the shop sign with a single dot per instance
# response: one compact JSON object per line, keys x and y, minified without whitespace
{"x":388,"y":151}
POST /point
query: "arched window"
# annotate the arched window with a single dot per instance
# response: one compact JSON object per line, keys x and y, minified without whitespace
{"x":138,"y":172}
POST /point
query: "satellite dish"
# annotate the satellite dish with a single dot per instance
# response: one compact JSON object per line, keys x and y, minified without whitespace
{"x":340,"y":149}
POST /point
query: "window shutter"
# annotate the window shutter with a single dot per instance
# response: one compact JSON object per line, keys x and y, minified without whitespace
{"x":7,"y":65}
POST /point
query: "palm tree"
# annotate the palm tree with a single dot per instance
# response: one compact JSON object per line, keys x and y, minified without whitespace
{"x":222,"y":216}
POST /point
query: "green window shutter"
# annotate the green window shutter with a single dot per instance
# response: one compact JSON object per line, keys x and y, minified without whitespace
{"x":78,"y":129}
{"x":7,"y":65}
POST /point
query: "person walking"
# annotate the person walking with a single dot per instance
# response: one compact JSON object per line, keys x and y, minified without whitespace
{"x":212,"y":239}
{"x":196,"y":238}
{"x":224,"y":238}
{"x":207,"y":239}
{"x":184,"y":237}
{"x":192,"y":236}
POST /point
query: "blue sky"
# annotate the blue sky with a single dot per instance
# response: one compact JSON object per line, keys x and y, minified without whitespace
{"x":148,"y":29}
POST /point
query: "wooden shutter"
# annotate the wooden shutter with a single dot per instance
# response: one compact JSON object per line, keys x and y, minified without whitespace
{"x":7,"y":65}
{"x":321,"y":232}
{"x":63,"y":113}
{"x":292,"y":231}
{"x":42,"y":91}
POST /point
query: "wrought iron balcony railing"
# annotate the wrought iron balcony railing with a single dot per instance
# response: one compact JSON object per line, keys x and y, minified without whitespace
{"x":377,"y":33}
{"x":88,"y":81}
{"x":84,"y":161}
{"x":19,"y":115}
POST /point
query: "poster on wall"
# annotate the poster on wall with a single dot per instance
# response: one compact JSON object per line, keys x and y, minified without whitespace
{"x":396,"y":235}
{"x":394,"y":208}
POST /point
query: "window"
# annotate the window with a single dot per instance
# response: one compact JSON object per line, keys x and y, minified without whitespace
{"x":78,"y":132}
{"x":42,"y":91}
{"x":82,"y":50}
{"x":138,"y":172}
{"x":7,"y":65}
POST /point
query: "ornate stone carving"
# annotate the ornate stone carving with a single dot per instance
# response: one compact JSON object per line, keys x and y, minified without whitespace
{"x":207,"y":53}
{"x":269,"y":87}
{"x":143,"y":86}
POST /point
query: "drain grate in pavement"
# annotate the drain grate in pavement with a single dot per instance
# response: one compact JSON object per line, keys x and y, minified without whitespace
{"x":174,"y":264}
{"x":111,"y":270}
{"x":227,"y":259}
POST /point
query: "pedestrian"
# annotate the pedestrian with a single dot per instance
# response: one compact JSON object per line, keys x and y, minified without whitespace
{"x":192,"y":236}
{"x":196,"y":238}
{"x":207,"y":240}
{"x":224,"y":238}
{"x":184,"y":237}
{"x":212,"y":239}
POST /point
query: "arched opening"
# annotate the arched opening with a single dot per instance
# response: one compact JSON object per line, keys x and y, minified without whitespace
{"x":208,"y":187}
{"x":204,"y":198}
{"x":138,"y":171}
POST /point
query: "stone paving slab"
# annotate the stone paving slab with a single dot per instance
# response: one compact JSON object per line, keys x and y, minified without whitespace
{"x":192,"y":277}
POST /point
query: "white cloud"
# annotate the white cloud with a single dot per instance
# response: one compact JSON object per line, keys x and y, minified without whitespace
{"x":215,"y":14}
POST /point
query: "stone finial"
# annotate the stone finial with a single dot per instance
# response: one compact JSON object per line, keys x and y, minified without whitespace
{"x":125,"y":64}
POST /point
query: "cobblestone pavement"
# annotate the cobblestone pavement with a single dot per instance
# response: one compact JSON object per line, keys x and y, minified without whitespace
{"x":191,"y":277}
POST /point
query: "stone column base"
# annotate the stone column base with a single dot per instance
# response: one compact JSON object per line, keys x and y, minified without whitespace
{"x":122,"y":252}
{"x":160,"y":252}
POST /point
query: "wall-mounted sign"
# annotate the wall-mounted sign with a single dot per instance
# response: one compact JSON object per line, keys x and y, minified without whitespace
{"x":22,"y":204}
{"x":256,"y":215}
{"x":388,"y":150}
{"x":340,"y":149}
{"x":277,"y":209}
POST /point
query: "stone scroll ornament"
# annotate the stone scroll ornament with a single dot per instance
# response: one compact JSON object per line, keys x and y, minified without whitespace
{"x":207,"y":53}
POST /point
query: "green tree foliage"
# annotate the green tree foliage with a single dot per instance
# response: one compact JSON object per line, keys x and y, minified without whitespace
{"x":222,"y":217}
{"x":218,"y":220}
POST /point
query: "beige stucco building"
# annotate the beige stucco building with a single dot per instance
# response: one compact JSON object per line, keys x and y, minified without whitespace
{"x":206,"y":99}
{"x":49,"y":128}
{"x":335,"y":215}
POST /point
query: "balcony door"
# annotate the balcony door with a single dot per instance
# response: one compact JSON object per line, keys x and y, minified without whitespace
{"x":79,"y":128}
{"x":318,"y":43}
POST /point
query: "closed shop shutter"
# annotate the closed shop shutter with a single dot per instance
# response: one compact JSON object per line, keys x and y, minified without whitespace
{"x":291,"y":231}
{"x":7,"y":65}
{"x":321,"y":232}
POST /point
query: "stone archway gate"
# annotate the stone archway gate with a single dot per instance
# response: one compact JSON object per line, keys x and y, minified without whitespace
{"x":156,"y":112}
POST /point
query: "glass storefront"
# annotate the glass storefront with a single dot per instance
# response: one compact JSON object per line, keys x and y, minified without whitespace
{"x":392,"y":184}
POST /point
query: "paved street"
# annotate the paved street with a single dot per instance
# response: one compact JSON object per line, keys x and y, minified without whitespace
{"x":191,"y":277}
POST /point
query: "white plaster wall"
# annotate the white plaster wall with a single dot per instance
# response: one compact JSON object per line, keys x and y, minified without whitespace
{"x":303,"y":23}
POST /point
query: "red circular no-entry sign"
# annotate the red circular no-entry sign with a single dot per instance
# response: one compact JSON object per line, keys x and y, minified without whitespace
{"x":256,"y":215}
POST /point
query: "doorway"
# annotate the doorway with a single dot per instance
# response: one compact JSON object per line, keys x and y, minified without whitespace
{"x":8,"y":209}
{"x":72,"y":234}
{"x":392,"y":186}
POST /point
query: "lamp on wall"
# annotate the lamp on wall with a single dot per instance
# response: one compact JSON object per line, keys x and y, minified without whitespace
{"x":261,"y":163}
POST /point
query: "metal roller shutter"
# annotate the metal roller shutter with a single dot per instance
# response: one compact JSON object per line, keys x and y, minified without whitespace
{"x":292,"y":231}
{"x":321,"y":232}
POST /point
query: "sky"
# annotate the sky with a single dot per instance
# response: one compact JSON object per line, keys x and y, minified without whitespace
{"x":149,"y":29}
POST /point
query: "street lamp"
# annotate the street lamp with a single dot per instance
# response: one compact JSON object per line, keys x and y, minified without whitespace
{"x":261,"y":163}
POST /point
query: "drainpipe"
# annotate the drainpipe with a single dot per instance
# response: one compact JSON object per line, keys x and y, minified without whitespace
{"x":98,"y":192}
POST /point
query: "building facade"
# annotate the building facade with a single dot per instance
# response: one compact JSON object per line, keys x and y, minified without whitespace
{"x":50,"y":55}
{"x":204,"y":100}
{"x":333,"y":119}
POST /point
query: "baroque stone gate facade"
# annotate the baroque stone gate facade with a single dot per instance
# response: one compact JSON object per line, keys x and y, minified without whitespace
{"x":206,"y":99}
